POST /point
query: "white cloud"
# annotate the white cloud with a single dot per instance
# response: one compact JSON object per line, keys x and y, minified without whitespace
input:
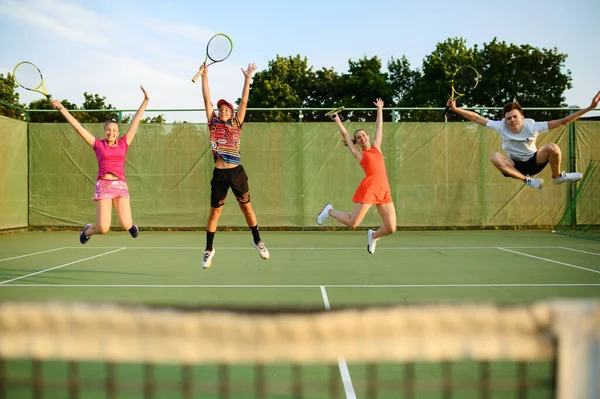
{"x":190,"y":32}
{"x":64,"y":19}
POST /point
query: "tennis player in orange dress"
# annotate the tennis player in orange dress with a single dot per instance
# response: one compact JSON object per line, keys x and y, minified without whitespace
{"x":374,"y":189}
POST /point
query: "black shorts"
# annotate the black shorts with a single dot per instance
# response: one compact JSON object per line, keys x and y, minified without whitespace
{"x":529,"y":167}
{"x":222,"y":179}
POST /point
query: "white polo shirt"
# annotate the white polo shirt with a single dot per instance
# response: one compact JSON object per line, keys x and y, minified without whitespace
{"x":519,"y":146}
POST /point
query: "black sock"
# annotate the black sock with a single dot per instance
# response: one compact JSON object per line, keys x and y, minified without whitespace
{"x":255,"y":234}
{"x":210,"y":235}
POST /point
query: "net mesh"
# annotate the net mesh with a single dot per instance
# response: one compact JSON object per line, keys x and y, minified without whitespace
{"x":28,"y":76}
{"x":582,"y":215}
{"x":219,"y":48}
{"x":484,"y":349}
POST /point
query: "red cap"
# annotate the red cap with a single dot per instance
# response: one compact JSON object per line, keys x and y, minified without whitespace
{"x":222,"y":101}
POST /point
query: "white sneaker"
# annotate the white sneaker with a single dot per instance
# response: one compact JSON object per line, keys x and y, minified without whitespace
{"x":372,"y":243}
{"x":262,"y":250}
{"x":565,"y":177}
{"x":207,"y":259}
{"x":324,"y":214}
{"x":534,"y":182}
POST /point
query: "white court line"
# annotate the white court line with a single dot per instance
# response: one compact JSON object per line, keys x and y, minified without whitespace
{"x":344,"y":372}
{"x":58,"y":267}
{"x":550,"y":260}
{"x":579,"y":250}
{"x":35,"y":253}
{"x":299,"y":285}
{"x":250,"y":248}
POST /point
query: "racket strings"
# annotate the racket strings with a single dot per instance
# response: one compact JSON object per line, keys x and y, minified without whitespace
{"x":465,"y":80}
{"x":28,"y":76}
{"x":219,"y":48}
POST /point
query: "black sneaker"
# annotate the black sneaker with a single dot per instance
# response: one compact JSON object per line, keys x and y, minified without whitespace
{"x":82,"y":237}
{"x":135,"y":231}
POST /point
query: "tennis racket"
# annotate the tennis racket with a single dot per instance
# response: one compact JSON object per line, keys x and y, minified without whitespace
{"x":464,"y":80}
{"x":219,"y":47}
{"x":29,"y":77}
{"x":335,"y":111}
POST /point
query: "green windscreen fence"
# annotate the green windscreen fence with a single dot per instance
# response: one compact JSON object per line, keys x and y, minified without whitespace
{"x":440,"y":175}
{"x":13,"y":173}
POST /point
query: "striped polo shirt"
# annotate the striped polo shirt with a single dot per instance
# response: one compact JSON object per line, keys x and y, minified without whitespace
{"x":225,"y":139}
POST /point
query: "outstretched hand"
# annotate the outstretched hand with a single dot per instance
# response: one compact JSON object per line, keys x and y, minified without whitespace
{"x":146,"y":96}
{"x":595,"y":100}
{"x":378,"y":103}
{"x":251,"y":68}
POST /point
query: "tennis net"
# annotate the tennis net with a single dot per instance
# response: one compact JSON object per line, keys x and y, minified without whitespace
{"x":79,"y":350}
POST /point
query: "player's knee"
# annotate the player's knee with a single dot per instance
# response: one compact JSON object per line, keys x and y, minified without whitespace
{"x":353,"y":223}
{"x":554,"y":149}
{"x":496,"y":158}
{"x":102,"y":229}
{"x":391,"y":228}
{"x":215,"y":212}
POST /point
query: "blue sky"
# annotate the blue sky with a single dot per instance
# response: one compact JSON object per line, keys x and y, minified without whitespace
{"x":110,"y":47}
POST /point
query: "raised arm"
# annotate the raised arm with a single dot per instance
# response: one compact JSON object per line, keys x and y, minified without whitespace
{"x":351,"y":146}
{"x":378,"y":124}
{"x":470,"y":115}
{"x":135,"y":122}
{"x":208,"y":105}
{"x":576,"y":115}
{"x":87,"y":136}
{"x":241,"y":113}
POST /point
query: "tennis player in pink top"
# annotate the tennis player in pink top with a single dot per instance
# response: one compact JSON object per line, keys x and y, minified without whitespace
{"x":111,"y":187}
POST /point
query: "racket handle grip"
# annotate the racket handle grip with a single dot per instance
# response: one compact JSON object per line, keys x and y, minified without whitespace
{"x":445,"y":111}
{"x":200,"y":73}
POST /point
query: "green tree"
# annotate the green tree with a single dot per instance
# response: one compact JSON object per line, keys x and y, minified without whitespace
{"x":158,"y":119}
{"x":532,"y":76}
{"x":95,"y":102}
{"x":48,"y":117}
{"x":326,"y":90}
{"x":284,"y":84}
{"x":10,"y":96}
{"x":363,"y":83}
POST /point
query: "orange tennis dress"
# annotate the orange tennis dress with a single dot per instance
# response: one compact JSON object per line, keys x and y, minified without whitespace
{"x":374,"y":188}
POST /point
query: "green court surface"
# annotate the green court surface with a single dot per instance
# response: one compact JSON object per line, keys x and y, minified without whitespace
{"x":306,"y":269}
{"x":316,"y":270}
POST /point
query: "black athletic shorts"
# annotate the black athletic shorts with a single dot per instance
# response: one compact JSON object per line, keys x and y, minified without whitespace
{"x":222,"y":179}
{"x":529,"y":167}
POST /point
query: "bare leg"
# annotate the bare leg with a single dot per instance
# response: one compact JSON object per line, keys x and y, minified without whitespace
{"x":213,"y":219}
{"x":351,"y":220}
{"x":506,"y":165}
{"x":388,"y":215}
{"x":550,"y":153}
{"x":103,"y":215}
{"x":248,"y":214}
{"x":123,"y":209}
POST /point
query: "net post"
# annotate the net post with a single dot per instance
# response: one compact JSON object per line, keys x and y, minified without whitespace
{"x":119,"y":116}
{"x":578,"y":349}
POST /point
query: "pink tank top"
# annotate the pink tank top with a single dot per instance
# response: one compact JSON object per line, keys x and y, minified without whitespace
{"x":111,"y":159}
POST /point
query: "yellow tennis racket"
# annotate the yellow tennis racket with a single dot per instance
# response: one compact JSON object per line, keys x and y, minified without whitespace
{"x":29,"y":77}
{"x":464,"y":80}
{"x":334,"y":111}
{"x":219,"y":47}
